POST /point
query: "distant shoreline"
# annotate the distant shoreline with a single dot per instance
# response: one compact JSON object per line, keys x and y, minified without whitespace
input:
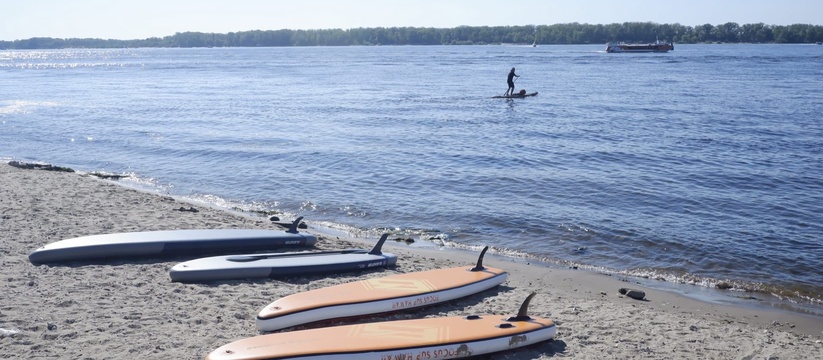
{"x":557,"y":34}
{"x":342,"y":46}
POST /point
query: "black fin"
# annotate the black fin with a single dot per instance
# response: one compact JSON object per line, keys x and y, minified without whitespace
{"x":376,"y":249}
{"x":479,"y":266}
{"x":293,"y":228}
{"x":523,"y":314}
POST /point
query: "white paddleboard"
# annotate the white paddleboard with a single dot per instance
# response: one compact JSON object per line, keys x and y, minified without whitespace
{"x":168,"y":242}
{"x":280,"y":264}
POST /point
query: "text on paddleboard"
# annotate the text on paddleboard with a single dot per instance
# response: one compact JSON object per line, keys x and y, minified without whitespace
{"x":418,"y":301}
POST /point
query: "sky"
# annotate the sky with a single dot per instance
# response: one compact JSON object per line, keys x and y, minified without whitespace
{"x":141,"y":19}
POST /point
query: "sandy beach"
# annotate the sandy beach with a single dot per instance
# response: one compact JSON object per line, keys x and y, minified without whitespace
{"x":131,"y":309}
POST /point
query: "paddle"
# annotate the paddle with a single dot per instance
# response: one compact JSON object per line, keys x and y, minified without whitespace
{"x":254,"y":257}
{"x":374,"y":251}
{"x":507,"y":90}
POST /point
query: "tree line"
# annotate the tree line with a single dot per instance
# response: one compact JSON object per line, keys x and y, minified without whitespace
{"x":571,"y":33}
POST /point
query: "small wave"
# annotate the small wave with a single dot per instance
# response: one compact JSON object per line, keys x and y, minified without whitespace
{"x":51,"y":66}
{"x":22,"y":106}
{"x":803,"y":299}
{"x":134,"y":180}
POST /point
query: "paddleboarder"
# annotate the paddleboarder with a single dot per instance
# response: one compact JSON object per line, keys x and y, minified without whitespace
{"x":510,"y":80}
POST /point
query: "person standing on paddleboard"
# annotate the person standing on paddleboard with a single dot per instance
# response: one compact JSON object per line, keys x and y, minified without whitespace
{"x":510,"y":80}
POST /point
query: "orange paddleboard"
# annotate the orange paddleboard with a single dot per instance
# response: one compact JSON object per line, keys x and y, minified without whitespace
{"x":431,"y":338}
{"x":379,"y":295}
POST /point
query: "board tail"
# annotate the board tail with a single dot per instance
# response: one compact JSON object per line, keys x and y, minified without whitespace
{"x":523,"y":314}
{"x":479,"y":266}
{"x":377,"y":248}
{"x":293,"y":228}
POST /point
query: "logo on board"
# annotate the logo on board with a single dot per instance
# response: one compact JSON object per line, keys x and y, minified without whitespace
{"x":408,"y":285}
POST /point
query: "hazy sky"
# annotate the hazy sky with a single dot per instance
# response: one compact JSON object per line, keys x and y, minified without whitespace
{"x":140,"y":19}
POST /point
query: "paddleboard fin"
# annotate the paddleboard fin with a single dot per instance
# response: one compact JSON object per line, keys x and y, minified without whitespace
{"x":523,"y":314}
{"x":479,"y":266}
{"x":293,"y":228}
{"x":376,"y":250}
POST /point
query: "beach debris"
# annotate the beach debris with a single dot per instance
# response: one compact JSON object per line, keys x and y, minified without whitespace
{"x":634,"y":294}
{"x":52,"y":326}
{"x":190,"y":209}
{"x":274,"y":218}
{"x":261,"y":213}
{"x":7,"y":332}
{"x":108,"y":176}
{"x":39,"y":166}
{"x":406,"y":240}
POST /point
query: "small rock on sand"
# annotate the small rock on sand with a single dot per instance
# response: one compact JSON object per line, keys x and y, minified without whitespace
{"x":634,"y":294}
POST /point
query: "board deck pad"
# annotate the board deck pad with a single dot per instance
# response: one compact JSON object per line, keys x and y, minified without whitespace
{"x":429,"y":338}
{"x":168,"y":242}
{"x":251,"y":266}
{"x":379,"y":295}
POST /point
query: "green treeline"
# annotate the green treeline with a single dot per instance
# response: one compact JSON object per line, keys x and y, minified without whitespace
{"x":573,"y":33}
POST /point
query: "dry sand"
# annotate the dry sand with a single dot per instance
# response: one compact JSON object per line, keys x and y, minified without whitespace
{"x":131,"y":310}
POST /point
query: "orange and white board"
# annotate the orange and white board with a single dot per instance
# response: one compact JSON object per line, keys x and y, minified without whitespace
{"x":379,"y":295}
{"x":430,"y":338}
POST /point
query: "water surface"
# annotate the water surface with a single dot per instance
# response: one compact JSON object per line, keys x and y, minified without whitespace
{"x":700,"y":166}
